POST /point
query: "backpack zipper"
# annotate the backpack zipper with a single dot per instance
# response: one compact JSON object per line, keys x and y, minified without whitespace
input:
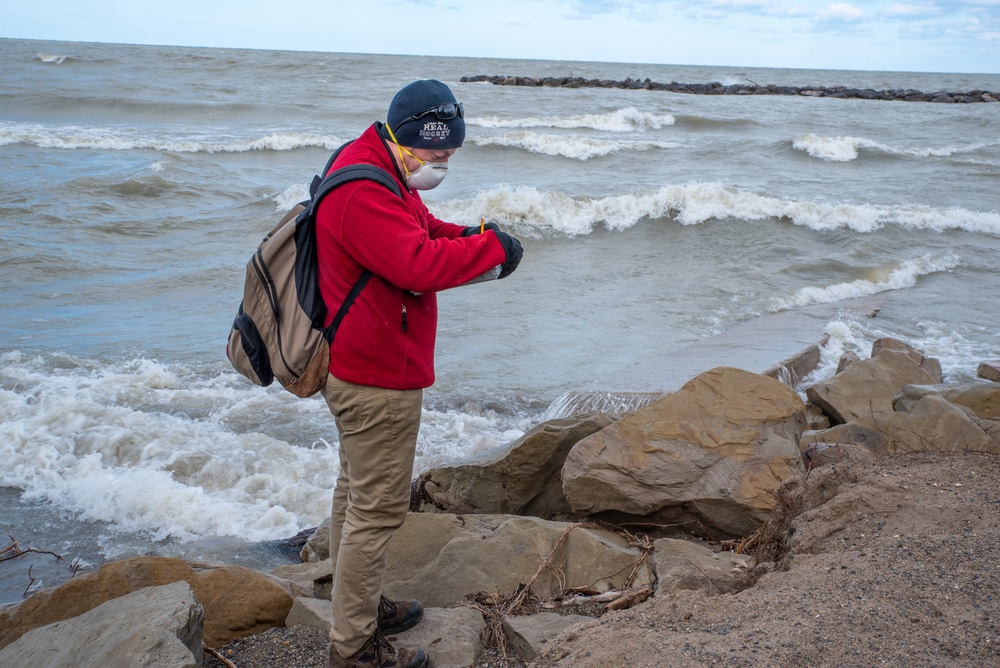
{"x":272,"y":297}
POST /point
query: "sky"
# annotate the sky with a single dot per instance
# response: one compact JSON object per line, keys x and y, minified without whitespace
{"x":906,"y":35}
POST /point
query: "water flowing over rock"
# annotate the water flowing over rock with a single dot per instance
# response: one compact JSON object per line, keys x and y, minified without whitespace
{"x":522,"y":478}
{"x":709,"y":457}
{"x":868,"y":386}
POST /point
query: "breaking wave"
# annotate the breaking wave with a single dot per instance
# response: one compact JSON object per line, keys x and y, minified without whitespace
{"x":52,"y":58}
{"x":541,"y":213}
{"x":845,"y":149}
{"x":621,"y":120}
{"x":124,"y":139}
{"x":882,"y":279}
{"x":173,"y":452}
{"x":578,"y":148}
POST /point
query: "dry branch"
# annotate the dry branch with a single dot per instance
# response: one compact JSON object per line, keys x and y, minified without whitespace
{"x":218,"y":657}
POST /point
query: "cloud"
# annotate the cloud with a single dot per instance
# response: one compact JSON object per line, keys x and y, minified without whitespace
{"x":589,"y":7}
{"x":760,"y":7}
{"x":840,"y":12}
{"x":909,"y":10}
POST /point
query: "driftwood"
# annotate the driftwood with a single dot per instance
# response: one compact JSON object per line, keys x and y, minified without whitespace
{"x":218,"y":657}
{"x":15,"y":551}
{"x":616,"y":599}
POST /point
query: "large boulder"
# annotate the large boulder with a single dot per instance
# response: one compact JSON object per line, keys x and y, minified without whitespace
{"x":238,"y":601}
{"x":451,"y":636}
{"x":683,"y":564}
{"x":932,"y":424}
{"x":317,"y":546}
{"x":520,"y":478}
{"x":708,"y":458}
{"x":155,"y":626}
{"x":989,"y":370}
{"x":868,"y":386}
{"x":982,"y":398}
{"x":442,"y":558}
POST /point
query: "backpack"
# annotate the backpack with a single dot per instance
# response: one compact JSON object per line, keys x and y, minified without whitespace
{"x":278,"y":331}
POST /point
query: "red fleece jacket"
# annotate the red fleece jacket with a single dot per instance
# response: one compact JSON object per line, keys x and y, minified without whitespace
{"x":387,"y":337}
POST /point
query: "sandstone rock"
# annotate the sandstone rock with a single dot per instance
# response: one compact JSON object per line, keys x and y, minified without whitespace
{"x":816,"y":419}
{"x":314,"y":578}
{"x":868,"y":386}
{"x":440,"y":559}
{"x":683,"y":564}
{"x":238,"y":601}
{"x":846,"y":360}
{"x":452,"y":637}
{"x":528,"y":633}
{"x":710,"y":455}
{"x":932,"y":425}
{"x":520,"y":478}
{"x":155,"y":626}
{"x":930,"y":364}
{"x":989,"y":371}
{"x":815,"y":454}
{"x":983,"y":399}
{"x":314,"y":612}
{"x":793,"y":369}
{"x":317,"y":547}
{"x":842,"y":440}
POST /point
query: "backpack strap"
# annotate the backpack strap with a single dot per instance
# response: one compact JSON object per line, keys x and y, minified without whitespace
{"x":359,"y":285}
{"x":347,"y":174}
{"x":314,"y":186}
{"x":319,"y":189}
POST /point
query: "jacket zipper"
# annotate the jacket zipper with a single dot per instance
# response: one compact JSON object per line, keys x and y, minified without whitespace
{"x":404,"y":317}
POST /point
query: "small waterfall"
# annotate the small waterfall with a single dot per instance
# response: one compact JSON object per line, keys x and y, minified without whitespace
{"x":611,"y":403}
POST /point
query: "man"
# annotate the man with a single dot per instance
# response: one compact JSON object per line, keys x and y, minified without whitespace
{"x":383,"y":353}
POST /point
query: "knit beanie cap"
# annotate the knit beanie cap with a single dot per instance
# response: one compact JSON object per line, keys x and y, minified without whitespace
{"x":425,"y":114}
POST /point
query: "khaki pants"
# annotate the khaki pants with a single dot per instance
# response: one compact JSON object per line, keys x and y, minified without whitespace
{"x":378,"y":440}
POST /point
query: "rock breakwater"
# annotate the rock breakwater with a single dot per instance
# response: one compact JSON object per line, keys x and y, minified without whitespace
{"x":750,"y":88}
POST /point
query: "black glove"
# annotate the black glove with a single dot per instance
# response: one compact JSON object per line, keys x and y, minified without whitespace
{"x":469,"y":231}
{"x":512,"y":247}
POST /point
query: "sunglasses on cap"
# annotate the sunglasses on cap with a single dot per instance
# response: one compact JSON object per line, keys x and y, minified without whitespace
{"x":444,"y":112}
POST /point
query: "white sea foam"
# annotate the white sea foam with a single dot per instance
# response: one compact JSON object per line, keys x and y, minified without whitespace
{"x":882,"y":279}
{"x":628,"y":119}
{"x":125,"y":139}
{"x":959,"y":356}
{"x":291,"y":196}
{"x":535,"y":212}
{"x":161,"y":450}
{"x":579,"y":148}
{"x":845,"y":149}
{"x":52,"y":58}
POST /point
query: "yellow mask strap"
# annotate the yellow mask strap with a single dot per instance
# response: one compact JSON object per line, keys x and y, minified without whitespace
{"x":400,"y":149}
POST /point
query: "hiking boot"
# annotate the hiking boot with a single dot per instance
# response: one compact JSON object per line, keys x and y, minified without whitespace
{"x":378,"y":653}
{"x":398,"y":616}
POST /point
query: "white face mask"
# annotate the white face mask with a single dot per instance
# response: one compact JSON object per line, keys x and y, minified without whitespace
{"x":428,"y":175}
